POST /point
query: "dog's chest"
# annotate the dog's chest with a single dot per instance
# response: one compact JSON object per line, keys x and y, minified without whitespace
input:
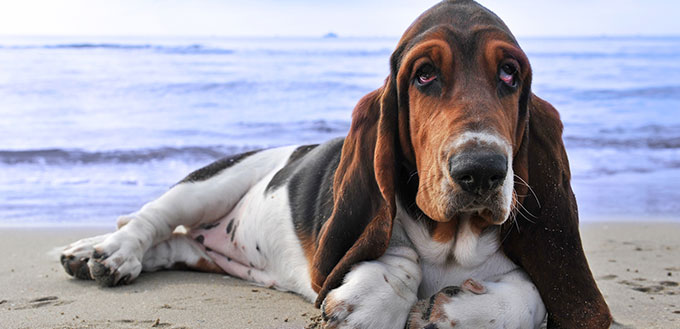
{"x":450,"y":263}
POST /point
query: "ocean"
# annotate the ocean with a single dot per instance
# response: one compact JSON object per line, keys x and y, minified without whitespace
{"x":92,"y":128}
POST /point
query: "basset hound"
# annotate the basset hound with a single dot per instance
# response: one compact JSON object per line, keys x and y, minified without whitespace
{"x":447,"y":205}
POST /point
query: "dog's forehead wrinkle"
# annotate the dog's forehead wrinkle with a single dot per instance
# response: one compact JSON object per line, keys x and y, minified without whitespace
{"x":464,"y":25}
{"x":461,"y":41}
{"x":438,"y":31}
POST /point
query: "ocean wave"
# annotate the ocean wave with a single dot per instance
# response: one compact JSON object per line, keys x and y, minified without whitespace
{"x":316,"y":130}
{"x":245,"y":86}
{"x":195,"y":87}
{"x":604,"y":55}
{"x":325,"y":52}
{"x":95,"y":45}
{"x":318,"y":126}
{"x":654,"y":129}
{"x":651,"y":137}
{"x":77,"y":156}
{"x":178,"y":49}
{"x":666,"y":92}
{"x":633,"y":168}
{"x":624,"y":143}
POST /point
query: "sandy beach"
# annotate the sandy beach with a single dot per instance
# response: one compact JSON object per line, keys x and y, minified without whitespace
{"x":636,"y":265}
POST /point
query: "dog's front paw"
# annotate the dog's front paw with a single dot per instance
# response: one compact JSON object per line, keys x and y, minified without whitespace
{"x":434,"y":313}
{"x":364,"y":312}
{"x":75,"y":256}
{"x":492,"y":305}
{"x":335,"y":312}
{"x":117,"y":260}
{"x":373,"y":296}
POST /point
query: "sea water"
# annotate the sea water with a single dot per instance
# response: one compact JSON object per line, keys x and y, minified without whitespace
{"x":92,"y":128}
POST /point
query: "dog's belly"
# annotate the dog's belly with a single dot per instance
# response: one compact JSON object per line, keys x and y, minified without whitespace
{"x":256,"y":241}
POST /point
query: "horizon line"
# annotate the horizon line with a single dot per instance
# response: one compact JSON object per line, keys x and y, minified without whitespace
{"x":322,"y":35}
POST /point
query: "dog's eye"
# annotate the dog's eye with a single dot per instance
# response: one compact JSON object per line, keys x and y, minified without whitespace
{"x":426,"y":75}
{"x":508,"y":74}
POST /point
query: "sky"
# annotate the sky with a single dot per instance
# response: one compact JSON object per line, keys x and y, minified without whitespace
{"x":318,"y":17}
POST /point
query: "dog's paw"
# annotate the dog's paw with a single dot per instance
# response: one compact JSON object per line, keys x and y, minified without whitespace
{"x":491,"y":305}
{"x":372,"y":296}
{"x":335,"y":312}
{"x":434,"y":313}
{"x":75,"y":256}
{"x":115,"y":261}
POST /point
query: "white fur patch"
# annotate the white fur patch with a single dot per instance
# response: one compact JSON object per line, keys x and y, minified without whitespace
{"x":481,"y":138}
{"x":471,"y":249}
{"x":377,"y":294}
{"x":510,"y":302}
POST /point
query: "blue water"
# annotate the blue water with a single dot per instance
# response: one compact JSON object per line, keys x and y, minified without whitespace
{"x":91,"y":128}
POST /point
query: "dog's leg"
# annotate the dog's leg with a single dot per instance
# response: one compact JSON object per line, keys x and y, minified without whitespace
{"x":509,"y":301}
{"x":204,"y":197}
{"x":179,"y":252}
{"x":183,"y":252}
{"x":377,"y":294}
{"x":248,"y":272}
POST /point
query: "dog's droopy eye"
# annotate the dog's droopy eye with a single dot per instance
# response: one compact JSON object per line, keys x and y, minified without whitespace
{"x":426,"y":75}
{"x":507,"y":75}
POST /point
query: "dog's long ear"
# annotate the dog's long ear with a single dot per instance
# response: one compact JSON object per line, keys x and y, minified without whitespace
{"x":360,"y":225}
{"x":548,"y":244}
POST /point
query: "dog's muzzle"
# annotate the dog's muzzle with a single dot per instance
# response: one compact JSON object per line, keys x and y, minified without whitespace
{"x":478,"y":171}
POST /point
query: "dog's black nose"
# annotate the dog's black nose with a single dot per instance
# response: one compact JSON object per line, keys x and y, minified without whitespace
{"x":478,"y":171}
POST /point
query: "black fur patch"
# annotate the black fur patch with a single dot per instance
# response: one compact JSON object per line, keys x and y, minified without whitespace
{"x":229,"y":226}
{"x":209,"y":226}
{"x":233,"y":234}
{"x":428,"y":312}
{"x":216,"y":167}
{"x":310,"y":188}
{"x":292,"y":164}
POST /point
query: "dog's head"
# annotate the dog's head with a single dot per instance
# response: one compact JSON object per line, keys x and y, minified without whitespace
{"x":462,"y":85}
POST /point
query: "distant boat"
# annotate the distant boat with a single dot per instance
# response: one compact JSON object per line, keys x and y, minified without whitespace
{"x":330,"y":35}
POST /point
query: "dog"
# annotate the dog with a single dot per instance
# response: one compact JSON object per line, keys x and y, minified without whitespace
{"x":413,"y":220}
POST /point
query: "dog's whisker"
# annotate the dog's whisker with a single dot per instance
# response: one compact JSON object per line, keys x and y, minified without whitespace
{"x":530,"y":189}
{"x":524,"y":209}
{"x":413,"y":174}
{"x":514,"y":217}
